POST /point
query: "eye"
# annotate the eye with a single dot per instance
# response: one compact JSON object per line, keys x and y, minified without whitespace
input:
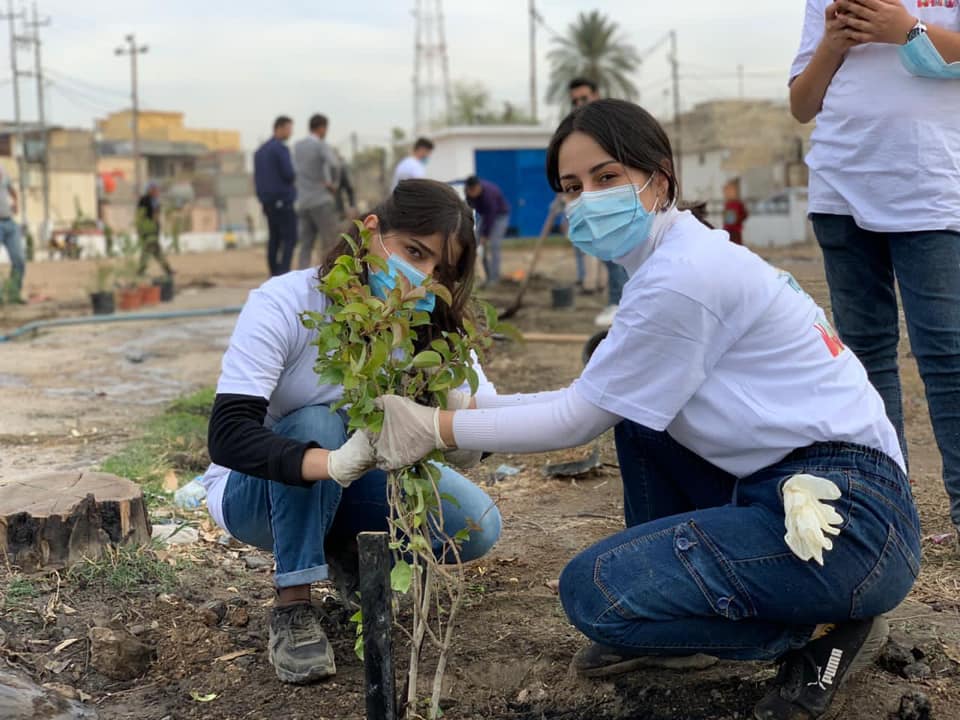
{"x":572,"y":189}
{"x":414,"y":252}
{"x":606,"y":177}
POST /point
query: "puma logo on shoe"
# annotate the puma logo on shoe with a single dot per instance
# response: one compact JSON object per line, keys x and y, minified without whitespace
{"x":825,"y":677}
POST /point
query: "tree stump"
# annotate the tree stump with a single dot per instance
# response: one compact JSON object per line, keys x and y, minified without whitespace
{"x":57,"y":519}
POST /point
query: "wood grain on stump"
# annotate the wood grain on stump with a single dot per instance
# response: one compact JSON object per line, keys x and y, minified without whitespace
{"x":56,"y":519}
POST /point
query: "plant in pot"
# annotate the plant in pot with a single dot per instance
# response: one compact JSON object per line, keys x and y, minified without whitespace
{"x":165,"y":284}
{"x":128,"y":277}
{"x":101,"y":290}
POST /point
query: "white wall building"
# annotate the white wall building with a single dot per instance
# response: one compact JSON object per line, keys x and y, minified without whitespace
{"x":454,"y":153}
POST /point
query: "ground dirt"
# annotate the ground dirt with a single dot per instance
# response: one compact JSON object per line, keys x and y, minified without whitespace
{"x":72,"y":396}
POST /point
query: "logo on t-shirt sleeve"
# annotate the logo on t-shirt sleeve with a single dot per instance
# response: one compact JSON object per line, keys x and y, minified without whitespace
{"x":937,"y":3}
{"x":830,"y":336}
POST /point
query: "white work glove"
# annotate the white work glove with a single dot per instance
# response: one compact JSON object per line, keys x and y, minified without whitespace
{"x":807,"y":517}
{"x":352,"y":459}
{"x":410,"y":432}
{"x":457,"y":400}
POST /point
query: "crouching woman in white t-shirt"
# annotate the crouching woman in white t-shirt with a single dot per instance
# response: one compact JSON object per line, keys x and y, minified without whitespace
{"x":768,"y":514}
{"x":278,"y":447}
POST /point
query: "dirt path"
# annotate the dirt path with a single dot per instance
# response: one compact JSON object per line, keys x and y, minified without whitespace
{"x":71,"y":396}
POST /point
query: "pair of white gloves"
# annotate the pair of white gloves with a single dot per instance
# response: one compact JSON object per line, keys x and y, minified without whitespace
{"x":410,"y":432}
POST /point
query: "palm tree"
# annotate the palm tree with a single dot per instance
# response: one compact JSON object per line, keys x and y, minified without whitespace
{"x":592,"y":48}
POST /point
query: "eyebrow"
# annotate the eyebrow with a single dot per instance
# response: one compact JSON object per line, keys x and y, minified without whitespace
{"x":590,"y":172}
{"x":426,"y":249}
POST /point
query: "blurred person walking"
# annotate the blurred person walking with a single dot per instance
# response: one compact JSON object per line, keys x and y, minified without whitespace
{"x":414,"y":165}
{"x":315,"y":166}
{"x":493,"y":218}
{"x":12,"y":239}
{"x":148,"y":230}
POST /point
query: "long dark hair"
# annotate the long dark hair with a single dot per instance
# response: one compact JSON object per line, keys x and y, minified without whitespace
{"x":425,"y":207}
{"x":630,"y":134}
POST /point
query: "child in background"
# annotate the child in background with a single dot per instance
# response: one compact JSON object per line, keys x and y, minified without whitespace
{"x":734,"y":212}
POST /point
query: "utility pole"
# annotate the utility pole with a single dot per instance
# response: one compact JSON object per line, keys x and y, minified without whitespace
{"x":533,"y":61}
{"x":17,"y":119}
{"x":133,"y":50}
{"x":677,"y":125}
{"x":36,"y":24}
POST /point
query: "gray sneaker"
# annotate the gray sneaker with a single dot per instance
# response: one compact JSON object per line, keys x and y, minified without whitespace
{"x":596,"y":660}
{"x":298,"y":647}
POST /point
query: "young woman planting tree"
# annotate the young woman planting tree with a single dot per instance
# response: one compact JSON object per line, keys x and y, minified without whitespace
{"x":768,"y":514}
{"x":277,"y":445}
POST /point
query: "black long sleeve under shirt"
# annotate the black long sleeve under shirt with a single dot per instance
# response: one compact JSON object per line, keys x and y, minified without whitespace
{"x":237,"y":439}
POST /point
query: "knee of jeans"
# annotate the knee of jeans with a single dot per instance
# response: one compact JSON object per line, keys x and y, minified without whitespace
{"x":483,"y":535}
{"x":578,"y":594}
{"x":314,"y":423}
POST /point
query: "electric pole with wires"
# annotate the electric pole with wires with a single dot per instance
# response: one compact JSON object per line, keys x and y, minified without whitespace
{"x":36,"y":24}
{"x":133,"y":50}
{"x":15,"y":74}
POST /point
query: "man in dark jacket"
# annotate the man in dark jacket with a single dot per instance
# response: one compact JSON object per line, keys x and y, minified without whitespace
{"x":273,"y":177}
{"x":148,"y":230}
{"x":493,"y":217}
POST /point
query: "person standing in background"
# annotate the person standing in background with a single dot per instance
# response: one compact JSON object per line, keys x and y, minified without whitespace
{"x":315,"y":166}
{"x":584,"y":91}
{"x":885,"y":192}
{"x":12,"y":240}
{"x":414,"y":165}
{"x":148,"y":230}
{"x":273,"y":177}
{"x":493,"y":213}
{"x":734,"y":212}
{"x":344,"y":196}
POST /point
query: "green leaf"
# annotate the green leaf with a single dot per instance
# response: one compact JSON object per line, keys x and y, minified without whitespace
{"x":450,"y":499}
{"x":401,"y":576}
{"x":442,"y":347}
{"x":357,"y":308}
{"x":377,"y":262}
{"x":489,"y":314}
{"x":420,"y":317}
{"x":357,"y":617}
{"x":509,"y":331}
{"x":473,"y":379}
{"x":442,"y":292}
{"x":427,"y":359}
{"x":336,"y":278}
{"x":462,"y":536}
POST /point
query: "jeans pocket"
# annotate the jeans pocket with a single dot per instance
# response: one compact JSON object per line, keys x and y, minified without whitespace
{"x":888,"y":583}
{"x":712,"y":573}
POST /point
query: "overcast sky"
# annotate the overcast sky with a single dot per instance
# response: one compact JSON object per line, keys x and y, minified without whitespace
{"x":238,"y":63}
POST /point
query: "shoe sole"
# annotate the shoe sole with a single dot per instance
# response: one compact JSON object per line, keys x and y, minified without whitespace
{"x":698,"y":661}
{"x":311,"y":674}
{"x":865,"y":657}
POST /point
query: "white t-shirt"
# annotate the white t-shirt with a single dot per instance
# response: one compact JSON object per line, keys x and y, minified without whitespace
{"x":885,"y":146}
{"x":407,"y":169}
{"x":730,"y":357}
{"x":270,"y":356}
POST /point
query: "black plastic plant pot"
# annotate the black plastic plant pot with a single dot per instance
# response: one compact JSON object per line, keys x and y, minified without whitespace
{"x":562,"y":297}
{"x":102,"y":303}
{"x":166,"y":288}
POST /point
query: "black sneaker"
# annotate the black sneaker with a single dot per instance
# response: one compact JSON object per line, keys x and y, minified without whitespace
{"x":298,"y":647}
{"x":810,"y":676}
{"x":598,"y":660}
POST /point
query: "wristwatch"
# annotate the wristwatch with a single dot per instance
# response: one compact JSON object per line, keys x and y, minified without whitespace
{"x":916,"y":30}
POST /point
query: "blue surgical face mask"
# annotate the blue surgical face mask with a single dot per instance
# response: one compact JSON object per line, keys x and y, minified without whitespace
{"x":382,"y":282}
{"x":921,"y":58}
{"x":608,"y":224}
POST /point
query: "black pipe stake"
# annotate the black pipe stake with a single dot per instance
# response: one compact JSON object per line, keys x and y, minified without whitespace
{"x":377,"y":625}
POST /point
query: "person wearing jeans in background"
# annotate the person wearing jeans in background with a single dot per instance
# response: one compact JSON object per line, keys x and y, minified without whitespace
{"x":885,"y":192}
{"x":582,"y":92}
{"x":273,"y":176}
{"x":493,"y":218}
{"x":11,"y":239}
{"x":738,"y":415}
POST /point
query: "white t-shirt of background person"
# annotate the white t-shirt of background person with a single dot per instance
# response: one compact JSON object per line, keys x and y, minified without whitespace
{"x":886,"y":145}
{"x":408,"y":169}
{"x":730,"y":357}
{"x":270,"y":356}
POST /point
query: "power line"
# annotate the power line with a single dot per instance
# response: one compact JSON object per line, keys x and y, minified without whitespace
{"x":92,"y":87}
{"x":78,"y":100}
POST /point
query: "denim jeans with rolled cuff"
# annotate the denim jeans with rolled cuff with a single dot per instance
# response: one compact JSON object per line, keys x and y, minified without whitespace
{"x":294,"y":522}
{"x":864,"y":270}
{"x":702,"y":566}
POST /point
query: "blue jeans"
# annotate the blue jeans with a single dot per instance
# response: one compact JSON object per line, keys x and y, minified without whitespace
{"x":863,"y":271}
{"x":616,"y":279}
{"x":703,"y":566}
{"x":491,"y":252}
{"x":293,"y":522}
{"x":11,"y":239}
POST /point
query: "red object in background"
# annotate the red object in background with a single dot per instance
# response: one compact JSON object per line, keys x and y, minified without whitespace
{"x":734,"y":213}
{"x":109,"y":180}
